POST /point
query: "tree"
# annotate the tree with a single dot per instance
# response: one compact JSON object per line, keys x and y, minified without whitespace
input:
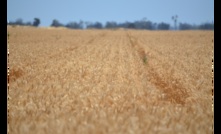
{"x":131,"y":25}
{"x":56,"y":23}
{"x":144,"y":24}
{"x":185,"y":26}
{"x":19,"y":22}
{"x":96,"y":25}
{"x":75,"y":25}
{"x":111,"y":25}
{"x":206,"y":26}
{"x":163,"y":26}
{"x":28,"y":24}
{"x":123,"y":25}
{"x":36,"y":22}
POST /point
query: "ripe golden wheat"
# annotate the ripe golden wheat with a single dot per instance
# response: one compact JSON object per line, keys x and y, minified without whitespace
{"x":110,"y":81}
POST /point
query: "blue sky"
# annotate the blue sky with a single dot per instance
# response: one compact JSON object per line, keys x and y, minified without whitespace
{"x":190,"y":11}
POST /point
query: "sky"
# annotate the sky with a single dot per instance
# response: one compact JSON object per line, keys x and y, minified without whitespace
{"x":65,"y":11}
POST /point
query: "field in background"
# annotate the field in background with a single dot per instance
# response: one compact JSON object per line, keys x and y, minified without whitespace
{"x":110,"y":81}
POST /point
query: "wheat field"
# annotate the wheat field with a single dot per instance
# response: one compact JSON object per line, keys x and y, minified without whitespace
{"x":64,"y":81}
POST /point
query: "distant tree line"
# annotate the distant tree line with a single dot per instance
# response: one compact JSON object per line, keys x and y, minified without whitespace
{"x":20,"y":22}
{"x":139,"y":24}
{"x":204,"y":26}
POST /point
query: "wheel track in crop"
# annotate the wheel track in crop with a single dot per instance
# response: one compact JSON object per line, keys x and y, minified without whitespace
{"x":174,"y":91}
